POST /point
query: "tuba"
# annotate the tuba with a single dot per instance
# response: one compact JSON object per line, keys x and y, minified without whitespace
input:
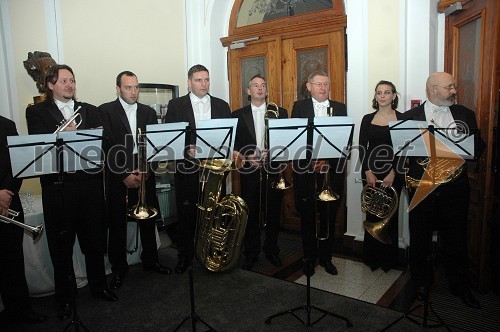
{"x":221,"y":223}
{"x":383,"y":203}
{"x":141,"y":210}
{"x":9,"y":219}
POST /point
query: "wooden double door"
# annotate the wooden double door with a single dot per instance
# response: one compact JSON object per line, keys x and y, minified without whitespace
{"x":286,"y":61}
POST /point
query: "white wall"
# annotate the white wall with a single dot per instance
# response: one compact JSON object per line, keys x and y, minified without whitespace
{"x":98,"y":39}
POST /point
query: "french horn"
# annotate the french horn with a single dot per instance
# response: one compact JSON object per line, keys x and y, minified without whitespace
{"x":382,"y":202}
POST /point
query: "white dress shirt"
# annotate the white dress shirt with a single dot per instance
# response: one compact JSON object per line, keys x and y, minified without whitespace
{"x":201,"y":107}
{"x":67,"y":109}
{"x":258,"y":121}
{"x":321,"y":108}
{"x":438,"y":116}
{"x":131,"y":112}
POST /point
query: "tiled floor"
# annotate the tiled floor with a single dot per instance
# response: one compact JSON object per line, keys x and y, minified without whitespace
{"x":354,"y":280}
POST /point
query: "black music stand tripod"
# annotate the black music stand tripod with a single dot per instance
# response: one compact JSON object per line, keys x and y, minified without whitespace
{"x":193,"y":316}
{"x":426,"y":304}
{"x":43,"y":146}
{"x":308,"y":308}
{"x":343,"y":138}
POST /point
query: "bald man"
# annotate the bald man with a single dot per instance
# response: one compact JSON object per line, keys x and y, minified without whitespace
{"x":446,"y":209}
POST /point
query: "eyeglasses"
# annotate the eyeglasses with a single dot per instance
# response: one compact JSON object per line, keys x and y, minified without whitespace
{"x":449,"y":87}
{"x":319,"y":84}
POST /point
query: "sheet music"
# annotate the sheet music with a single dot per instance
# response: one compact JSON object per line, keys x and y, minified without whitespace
{"x":287,"y":139}
{"x":215,"y":138}
{"x":25,"y":149}
{"x":331,"y":137}
{"x":83,"y":149}
{"x":409,"y":139}
{"x":166,"y":141}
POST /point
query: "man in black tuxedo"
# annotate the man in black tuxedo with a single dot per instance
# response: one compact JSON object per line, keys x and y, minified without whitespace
{"x":74,"y":203}
{"x":13,"y":287}
{"x":197,"y":105}
{"x":309,"y":177}
{"x":248,"y":146}
{"x":122,"y":118}
{"x":446,"y":209}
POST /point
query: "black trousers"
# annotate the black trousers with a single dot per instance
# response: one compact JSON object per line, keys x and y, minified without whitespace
{"x":13,"y":286}
{"x":75,"y":208}
{"x":252,"y":190}
{"x":446,"y":210}
{"x":187,"y":189}
{"x":117,"y":224}
{"x":309,"y":206}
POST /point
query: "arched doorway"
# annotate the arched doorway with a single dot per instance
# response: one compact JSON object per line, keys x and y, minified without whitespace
{"x":285,"y":40}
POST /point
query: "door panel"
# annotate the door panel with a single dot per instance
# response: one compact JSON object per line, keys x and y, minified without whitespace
{"x":286,"y":62}
{"x":473,"y":61}
{"x":302,"y":56}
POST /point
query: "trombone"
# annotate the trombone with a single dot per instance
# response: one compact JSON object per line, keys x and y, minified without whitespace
{"x":141,"y":210}
{"x":65,"y":123}
{"x":9,"y":219}
{"x":281,"y":184}
{"x":326,"y":195}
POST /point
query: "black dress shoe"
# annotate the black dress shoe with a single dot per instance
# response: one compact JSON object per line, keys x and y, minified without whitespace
{"x":274,"y":259}
{"x":329,"y":267}
{"x":116,"y":281}
{"x":182,"y":266}
{"x":465,"y":294}
{"x":64,"y":311}
{"x":29,"y":317}
{"x":248,"y":263}
{"x":158,"y":268}
{"x":106,"y":294}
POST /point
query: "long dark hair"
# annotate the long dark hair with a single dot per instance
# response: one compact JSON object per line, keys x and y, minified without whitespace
{"x":51,"y":76}
{"x":394,"y":103}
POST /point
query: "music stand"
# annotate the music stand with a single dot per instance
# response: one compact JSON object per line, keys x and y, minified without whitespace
{"x":325,"y":137}
{"x":37,"y":155}
{"x":214,"y":140}
{"x":412,"y":138}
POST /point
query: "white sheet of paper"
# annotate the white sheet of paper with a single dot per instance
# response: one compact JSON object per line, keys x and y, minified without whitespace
{"x":22,"y":156}
{"x":281,"y":134}
{"x":403,"y":132}
{"x":87,"y":155}
{"x":216,"y":132}
{"x":160,"y":135}
{"x":337,"y":130}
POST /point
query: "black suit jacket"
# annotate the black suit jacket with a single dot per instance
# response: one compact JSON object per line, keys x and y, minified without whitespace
{"x":8,"y":128}
{"x":304,"y":109}
{"x":246,"y":141}
{"x":120,"y":142}
{"x":44,"y":117}
{"x":181,"y":110}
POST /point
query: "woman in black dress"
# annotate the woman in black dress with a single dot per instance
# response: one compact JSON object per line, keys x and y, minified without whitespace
{"x":379,"y":164}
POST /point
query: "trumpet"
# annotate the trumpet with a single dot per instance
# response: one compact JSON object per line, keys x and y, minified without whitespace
{"x":9,"y":219}
{"x":66,"y":122}
{"x":325,"y":195}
